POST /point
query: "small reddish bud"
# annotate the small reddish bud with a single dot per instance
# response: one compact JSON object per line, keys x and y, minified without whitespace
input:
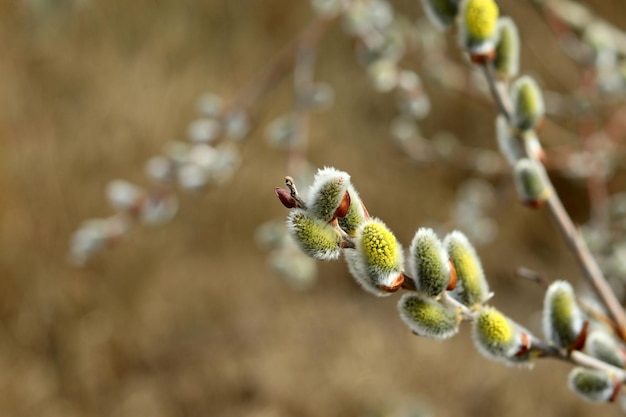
{"x":579,"y":343}
{"x":483,"y":58}
{"x":395,"y":286}
{"x":344,"y":206}
{"x":285,"y":197}
{"x":409,"y":284}
{"x":525,"y":345}
{"x":617,"y":389}
{"x":534,"y":204}
{"x":452,"y":282}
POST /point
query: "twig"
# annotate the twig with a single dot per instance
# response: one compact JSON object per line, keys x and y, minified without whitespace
{"x":466,"y":312}
{"x":533,"y":276}
{"x":494,"y":88}
{"x":587,"y":263}
{"x":542,"y":348}
{"x":577,"y":245}
{"x":576,"y":357}
{"x":279,"y":65}
{"x":293,"y":191}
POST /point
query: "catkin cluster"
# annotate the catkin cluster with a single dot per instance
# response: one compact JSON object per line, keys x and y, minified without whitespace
{"x":493,"y":41}
{"x":445,"y":284}
{"x":445,"y":277}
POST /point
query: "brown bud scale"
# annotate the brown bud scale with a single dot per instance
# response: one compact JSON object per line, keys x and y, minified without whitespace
{"x":483,"y":58}
{"x":344,"y":206}
{"x":285,"y":197}
{"x":579,"y":343}
{"x":452,"y":281}
{"x":395,"y":286}
{"x":525,"y":345}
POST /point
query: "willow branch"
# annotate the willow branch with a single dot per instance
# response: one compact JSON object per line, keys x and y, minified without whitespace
{"x":542,"y":349}
{"x":579,"y":358}
{"x":495,"y":88}
{"x":570,"y":233}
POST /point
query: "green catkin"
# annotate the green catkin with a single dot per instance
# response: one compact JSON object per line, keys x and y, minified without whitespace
{"x":497,"y":337}
{"x":506,"y":61}
{"x":531,"y":182}
{"x":428,"y":317}
{"x":472,"y":287}
{"x":316,"y":238}
{"x":603,"y":346}
{"x":377,"y":258}
{"x":562,"y":318}
{"x":592,"y":385}
{"x":528,"y":106}
{"x":428,"y":263}
{"x":326,"y":193}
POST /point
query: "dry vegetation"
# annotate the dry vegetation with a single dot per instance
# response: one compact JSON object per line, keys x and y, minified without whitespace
{"x":187,"y":320}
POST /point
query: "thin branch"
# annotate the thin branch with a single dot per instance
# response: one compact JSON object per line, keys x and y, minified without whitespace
{"x":290,"y":183}
{"x":533,"y":276}
{"x":542,"y":348}
{"x":587,"y":263}
{"x":495,"y":90}
{"x":583,"y":359}
{"x":576,"y":357}
{"x":279,"y":66}
{"x":574,"y":240}
{"x":466,"y":312}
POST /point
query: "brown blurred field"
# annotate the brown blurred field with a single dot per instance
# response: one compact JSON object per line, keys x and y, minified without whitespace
{"x":186,"y":319}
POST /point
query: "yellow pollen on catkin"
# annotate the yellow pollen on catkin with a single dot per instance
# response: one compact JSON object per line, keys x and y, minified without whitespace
{"x":481,"y":17}
{"x":495,"y":326}
{"x":379,"y":246}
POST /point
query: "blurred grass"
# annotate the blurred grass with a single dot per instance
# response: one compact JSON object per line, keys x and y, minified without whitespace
{"x":186,"y":320}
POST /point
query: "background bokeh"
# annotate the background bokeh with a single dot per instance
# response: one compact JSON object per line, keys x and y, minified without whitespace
{"x":187,"y":319}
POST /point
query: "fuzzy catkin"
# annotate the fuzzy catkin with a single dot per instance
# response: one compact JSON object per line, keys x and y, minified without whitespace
{"x":592,"y":385}
{"x":506,"y":61}
{"x":562,"y":318}
{"x":428,"y":317}
{"x":326,"y":193}
{"x":376,"y":262}
{"x":499,"y":338}
{"x":528,"y":105}
{"x":317,"y":239}
{"x":355,"y":215}
{"x":429,"y":263}
{"x":472,"y":287}
{"x":478,"y":25}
